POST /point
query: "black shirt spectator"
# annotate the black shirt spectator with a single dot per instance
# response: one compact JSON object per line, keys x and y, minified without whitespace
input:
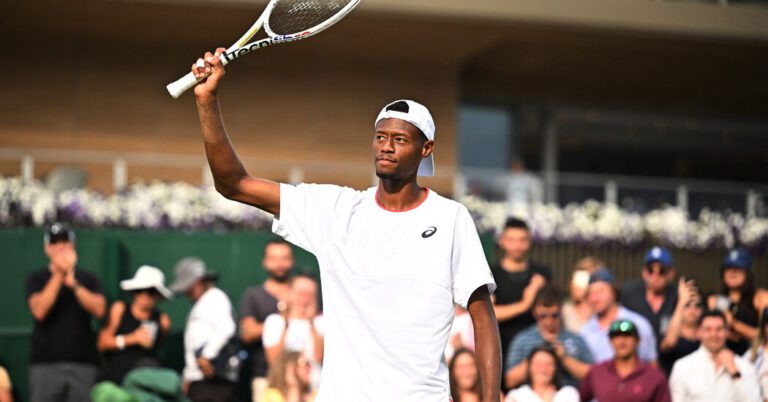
{"x":259,"y":304}
{"x":633,"y":298}
{"x":654,"y":296}
{"x":510,"y":287}
{"x":65,"y":334}
{"x":518,"y":279}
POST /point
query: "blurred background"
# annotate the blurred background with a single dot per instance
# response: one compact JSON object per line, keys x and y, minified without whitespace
{"x":646,"y":117}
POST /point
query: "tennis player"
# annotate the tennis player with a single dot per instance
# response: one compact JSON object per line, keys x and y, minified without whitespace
{"x":393,"y":258}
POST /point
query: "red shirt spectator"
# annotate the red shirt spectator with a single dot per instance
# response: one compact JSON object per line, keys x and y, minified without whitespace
{"x":603,"y":383}
{"x":625,"y":377}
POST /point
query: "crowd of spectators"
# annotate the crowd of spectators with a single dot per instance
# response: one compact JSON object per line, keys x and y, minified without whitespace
{"x":655,"y":338}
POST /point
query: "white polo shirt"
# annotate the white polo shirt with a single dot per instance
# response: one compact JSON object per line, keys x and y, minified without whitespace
{"x":389,"y":282}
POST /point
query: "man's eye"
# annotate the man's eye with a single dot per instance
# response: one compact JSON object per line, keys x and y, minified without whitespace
{"x":400,"y":139}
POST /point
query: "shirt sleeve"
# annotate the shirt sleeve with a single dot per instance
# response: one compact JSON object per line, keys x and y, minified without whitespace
{"x":34,"y":284}
{"x":647,"y":347}
{"x":219,"y":313}
{"x":747,"y":387}
{"x":248,"y":304}
{"x":677,"y":383}
{"x":92,"y":283}
{"x":319,"y":323}
{"x":307,"y":214}
{"x":469,"y":267}
{"x":516,"y":353}
{"x":586,"y":393}
{"x":583,"y":354}
{"x":662,"y":394}
{"x":567,"y":394}
{"x":274,"y":326}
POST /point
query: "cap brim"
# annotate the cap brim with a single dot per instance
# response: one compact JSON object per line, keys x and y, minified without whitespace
{"x":427,"y":166}
{"x":131,"y":284}
{"x":181,"y":285}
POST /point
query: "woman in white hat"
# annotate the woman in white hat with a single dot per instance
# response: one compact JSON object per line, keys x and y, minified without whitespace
{"x":133,"y":332}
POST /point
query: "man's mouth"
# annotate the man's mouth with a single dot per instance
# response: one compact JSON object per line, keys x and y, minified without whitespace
{"x":385,"y":161}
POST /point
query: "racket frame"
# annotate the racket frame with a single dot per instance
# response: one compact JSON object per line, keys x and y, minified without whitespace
{"x":242,"y":46}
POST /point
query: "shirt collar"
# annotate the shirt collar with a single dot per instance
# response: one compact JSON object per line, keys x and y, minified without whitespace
{"x":638,"y":371}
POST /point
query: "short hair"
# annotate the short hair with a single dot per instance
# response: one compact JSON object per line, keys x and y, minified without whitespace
{"x":589,"y":264}
{"x":548,"y":296}
{"x":515,"y":223}
{"x":277,"y":241}
{"x":712,"y":313}
{"x":300,"y":275}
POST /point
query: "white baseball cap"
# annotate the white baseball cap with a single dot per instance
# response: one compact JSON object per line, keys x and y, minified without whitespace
{"x":418,"y":115}
{"x":147,"y":277}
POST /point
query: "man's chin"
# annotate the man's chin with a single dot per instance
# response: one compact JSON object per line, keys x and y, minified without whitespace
{"x":385,"y":175}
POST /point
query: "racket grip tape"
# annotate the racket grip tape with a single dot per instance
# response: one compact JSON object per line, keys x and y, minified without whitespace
{"x":188,"y":81}
{"x":182,"y":85}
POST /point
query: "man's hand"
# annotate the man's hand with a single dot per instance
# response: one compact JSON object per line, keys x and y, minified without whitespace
{"x":206,"y":367}
{"x":725,"y":357}
{"x":537,"y":282}
{"x":63,"y":262}
{"x":141,"y":336}
{"x":211,"y":69}
{"x":686,"y":291}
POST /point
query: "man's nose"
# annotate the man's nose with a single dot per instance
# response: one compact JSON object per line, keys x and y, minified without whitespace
{"x":388,"y":146}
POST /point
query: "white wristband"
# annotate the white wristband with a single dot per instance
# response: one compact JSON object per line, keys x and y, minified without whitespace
{"x":120,"y":342}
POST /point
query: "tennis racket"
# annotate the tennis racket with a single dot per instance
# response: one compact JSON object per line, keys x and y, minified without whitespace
{"x":283,"y":21}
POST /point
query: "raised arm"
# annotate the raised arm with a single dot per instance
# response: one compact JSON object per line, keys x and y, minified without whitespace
{"x":229,"y":174}
{"x":684,"y":295}
{"x":40,"y":303}
{"x":487,"y":343}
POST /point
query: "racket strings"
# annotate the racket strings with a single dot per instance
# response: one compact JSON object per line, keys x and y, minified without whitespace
{"x":296,"y":16}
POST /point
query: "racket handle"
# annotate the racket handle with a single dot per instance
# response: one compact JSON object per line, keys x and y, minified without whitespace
{"x":181,"y":85}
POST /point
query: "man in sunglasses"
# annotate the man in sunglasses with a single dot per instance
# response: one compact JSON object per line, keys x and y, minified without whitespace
{"x":625,"y":378}
{"x":572,"y":352}
{"x":63,"y":298}
{"x":654,"y":296}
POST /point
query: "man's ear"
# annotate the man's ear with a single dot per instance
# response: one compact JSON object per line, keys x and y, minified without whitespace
{"x":427,"y":148}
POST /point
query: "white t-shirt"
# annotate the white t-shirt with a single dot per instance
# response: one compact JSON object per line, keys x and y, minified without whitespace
{"x":209,"y":327}
{"x":389,"y":282}
{"x":526,"y":394}
{"x":298,"y":338}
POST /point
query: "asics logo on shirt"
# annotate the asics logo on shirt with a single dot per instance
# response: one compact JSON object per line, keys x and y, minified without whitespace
{"x":429,"y":232}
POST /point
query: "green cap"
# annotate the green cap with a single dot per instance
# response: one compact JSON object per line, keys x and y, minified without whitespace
{"x":623,"y":327}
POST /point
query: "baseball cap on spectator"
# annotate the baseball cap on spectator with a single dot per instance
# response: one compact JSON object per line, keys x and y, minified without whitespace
{"x":59,"y":232}
{"x":147,"y":277}
{"x":737,"y":258}
{"x":188,"y":271}
{"x":623,"y":327}
{"x":602,"y":275}
{"x":418,"y":115}
{"x":660,"y":255}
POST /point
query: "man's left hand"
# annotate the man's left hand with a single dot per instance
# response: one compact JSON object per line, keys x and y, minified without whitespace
{"x":205,"y":366}
{"x":726,"y":357}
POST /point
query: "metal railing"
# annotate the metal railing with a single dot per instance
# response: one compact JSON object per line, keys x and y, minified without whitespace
{"x":634,"y":193}
{"x":631,"y":192}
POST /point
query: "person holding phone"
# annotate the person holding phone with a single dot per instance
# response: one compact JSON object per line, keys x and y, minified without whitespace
{"x":133,"y":331}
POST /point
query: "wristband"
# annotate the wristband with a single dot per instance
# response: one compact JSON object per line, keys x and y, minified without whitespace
{"x":120,"y":342}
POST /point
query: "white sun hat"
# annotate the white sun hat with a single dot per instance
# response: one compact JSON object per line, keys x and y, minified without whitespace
{"x":418,"y":115}
{"x":147,"y":277}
